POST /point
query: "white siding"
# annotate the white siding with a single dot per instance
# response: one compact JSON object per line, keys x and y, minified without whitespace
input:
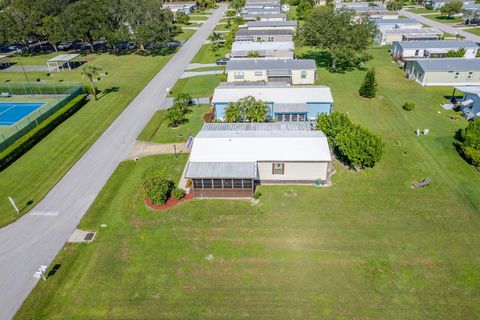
{"x":294,"y":171}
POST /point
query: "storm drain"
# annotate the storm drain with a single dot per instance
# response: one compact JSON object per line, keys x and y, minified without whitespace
{"x":82,"y":236}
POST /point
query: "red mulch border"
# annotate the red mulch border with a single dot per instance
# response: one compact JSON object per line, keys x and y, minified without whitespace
{"x":171,"y":202}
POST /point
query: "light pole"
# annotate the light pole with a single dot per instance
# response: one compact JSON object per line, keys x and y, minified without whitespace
{"x":25,"y":74}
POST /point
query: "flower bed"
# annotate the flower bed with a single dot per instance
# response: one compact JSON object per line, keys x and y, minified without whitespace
{"x":170,"y":202}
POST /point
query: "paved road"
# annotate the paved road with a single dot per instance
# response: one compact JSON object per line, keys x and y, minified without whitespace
{"x":36,"y":238}
{"x":442,"y":26}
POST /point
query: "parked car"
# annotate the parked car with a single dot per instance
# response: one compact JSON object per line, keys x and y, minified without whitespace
{"x":125,"y":46}
{"x":65,"y":46}
{"x":222,"y":61}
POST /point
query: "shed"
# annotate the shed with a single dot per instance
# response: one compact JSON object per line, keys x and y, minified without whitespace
{"x":62,"y":61}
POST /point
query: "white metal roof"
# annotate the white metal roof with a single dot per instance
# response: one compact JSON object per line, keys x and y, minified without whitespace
{"x":262,"y":46}
{"x":469,"y":89}
{"x":3,"y":56}
{"x":221,"y":170}
{"x":275,"y":94}
{"x":243,"y":146}
{"x":64,"y":57}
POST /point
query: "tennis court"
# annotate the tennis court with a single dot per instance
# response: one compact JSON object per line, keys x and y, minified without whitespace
{"x":13,"y":112}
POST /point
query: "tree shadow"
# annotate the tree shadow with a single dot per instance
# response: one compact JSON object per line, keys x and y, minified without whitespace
{"x":324,"y":60}
{"x":107,"y":91}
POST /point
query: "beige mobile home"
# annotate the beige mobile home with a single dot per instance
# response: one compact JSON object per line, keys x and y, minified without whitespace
{"x":267,"y":35}
{"x":262,"y":50}
{"x":289,"y":71}
{"x":387,"y":36}
{"x":444,"y":71}
{"x":230,"y":159}
{"x":263,"y":25}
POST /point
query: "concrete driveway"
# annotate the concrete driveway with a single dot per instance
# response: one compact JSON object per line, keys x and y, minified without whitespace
{"x":36,"y":238}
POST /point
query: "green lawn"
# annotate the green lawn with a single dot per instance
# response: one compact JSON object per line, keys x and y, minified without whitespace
{"x":185,"y":35}
{"x":157,"y":129}
{"x":206,"y":54}
{"x":368,"y":247}
{"x":474,"y":31}
{"x":35,"y":173}
{"x":198,"y":17}
{"x":443,"y":19}
{"x":422,"y":10}
{"x":197,"y":87}
{"x":221,"y":27}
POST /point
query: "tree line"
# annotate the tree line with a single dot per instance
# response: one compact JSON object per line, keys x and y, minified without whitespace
{"x":144,"y":22}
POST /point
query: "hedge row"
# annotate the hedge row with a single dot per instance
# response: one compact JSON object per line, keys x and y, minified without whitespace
{"x":25,"y":143}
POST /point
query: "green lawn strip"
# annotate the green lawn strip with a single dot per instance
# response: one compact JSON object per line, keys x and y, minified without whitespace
{"x":157,"y":129}
{"x":185,"y":35}
{"x":421,"y":10}
{"x":448,"y":35}
{"x":198,"y":17}
{"x":36,"y":172}
{"x":443,"y":19}
{"x":190,"y":24}
{"x":207,"y":55}
{"x":473,"y":30}
{"x":197,"y":87}
{"x":221,"y":27}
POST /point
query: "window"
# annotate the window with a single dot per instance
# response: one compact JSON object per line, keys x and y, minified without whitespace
{"x":417,"y":52}
{"x":217,"y":183}
{"x":207,"y":184}
{"x":259,"y":39}
{"x":470,"y":74}
{"x":303,"y":75}
{"x":227,"y":183}
{"x":301,"y":117}
{"x":197,"y":183}
{"x":278,"y":168}
{"x":258,"y":73}
{"x":247,"y":184}
{"x":270,"y":39}
{"x":456,"y":75}
{"x":294,"y":117}
{"x":238,"y":75}
{"x":237,"y":184}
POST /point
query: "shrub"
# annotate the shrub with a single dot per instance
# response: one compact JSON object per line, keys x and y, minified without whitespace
{"x":368,"y":89}
{"x":223,"y":77}
{"x":178,"y":193}
{"x":470,"y":142}
{"x":38,"y":79}
{"x":257,"y":195}
{"x":409,"y":105}
{"x":157,"y":189}
{"x":355,"y":145}
{"x":360,"y":147}
{"x":175,"y":117}
{"x":25,"y":143}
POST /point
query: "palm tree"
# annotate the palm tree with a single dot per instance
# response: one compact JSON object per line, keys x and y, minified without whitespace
{"x":91,"y":72}
{"x":215,"y":38}
{"x":175,"y":117}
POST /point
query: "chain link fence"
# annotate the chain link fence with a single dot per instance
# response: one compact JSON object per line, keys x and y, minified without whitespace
{"x":61,"y":93}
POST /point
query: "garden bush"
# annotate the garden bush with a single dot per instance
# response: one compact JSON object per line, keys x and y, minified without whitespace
{"x":470,"y":142}
{"x":178,"y":193}
{"x":158,"y":190}
{"x":409,"y":105}
{"x":355,"y":145}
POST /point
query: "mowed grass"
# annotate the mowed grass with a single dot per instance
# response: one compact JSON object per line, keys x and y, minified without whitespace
{"x":157,"y":129}
{"x":443,"y":19}
{"x":185,"y":34}
{"x":422,"y":10}
{"x":35,"y":173}
{"x":197,"y":87}
{"x":474,"y":31}
{"x":368,"y":247}
{"x":207,"y":55}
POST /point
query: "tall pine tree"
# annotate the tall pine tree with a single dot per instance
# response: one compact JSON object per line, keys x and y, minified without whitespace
{"x":368,"y":88}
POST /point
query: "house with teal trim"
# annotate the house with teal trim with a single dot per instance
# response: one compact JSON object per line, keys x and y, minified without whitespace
{"x":286,"y":103}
